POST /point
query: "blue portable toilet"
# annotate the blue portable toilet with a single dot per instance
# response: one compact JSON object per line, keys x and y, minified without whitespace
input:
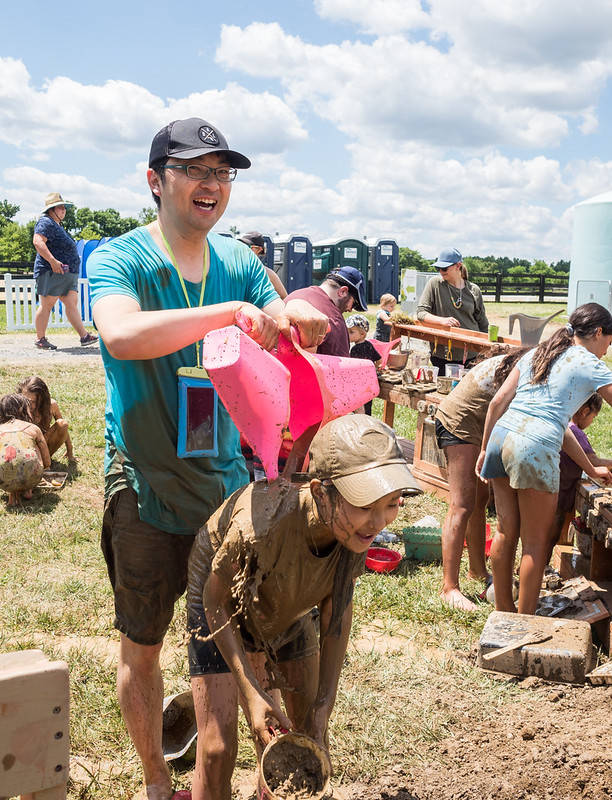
{"x":292,"y":261}
{"x":383,"y":268}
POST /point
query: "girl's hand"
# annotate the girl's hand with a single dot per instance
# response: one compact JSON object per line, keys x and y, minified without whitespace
{"x":265,"y":714}
{"x":452,"y":322}
{"x":603,"y":475}
{"x":479,"y":463}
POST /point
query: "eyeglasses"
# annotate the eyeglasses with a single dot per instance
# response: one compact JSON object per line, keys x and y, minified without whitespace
{"x":442,"y":269}
{"x":199,"y":172}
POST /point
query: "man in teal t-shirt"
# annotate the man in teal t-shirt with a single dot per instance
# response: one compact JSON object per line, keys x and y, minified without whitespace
{"x":156,"y":292}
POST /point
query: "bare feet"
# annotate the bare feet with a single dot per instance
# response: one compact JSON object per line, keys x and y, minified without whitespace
{"x":27,"y":495}
{"x":155,"y":792}
{"x":484,"y":577}
{"x":455,"y":599}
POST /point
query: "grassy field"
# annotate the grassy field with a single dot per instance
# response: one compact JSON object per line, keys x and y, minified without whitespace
{"x":54,"y":595}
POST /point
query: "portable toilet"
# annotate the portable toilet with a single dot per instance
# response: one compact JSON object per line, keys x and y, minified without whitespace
{"x":85,"y":248}
{"x":293,"y":261}
{"x":383,"y":268}
{"x":268,"y":259}
{"x":591,"y":259}
{"x":335,"y":253}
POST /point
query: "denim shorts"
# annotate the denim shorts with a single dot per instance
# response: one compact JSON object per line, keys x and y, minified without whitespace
{"x":528,"y":464}
{"x":147,"y":568}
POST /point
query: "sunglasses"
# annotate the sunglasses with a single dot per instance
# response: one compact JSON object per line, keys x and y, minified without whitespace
{"x":442,"y":269}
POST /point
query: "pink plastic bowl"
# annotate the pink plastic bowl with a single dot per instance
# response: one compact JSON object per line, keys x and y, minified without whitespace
{"x":382,"y":559}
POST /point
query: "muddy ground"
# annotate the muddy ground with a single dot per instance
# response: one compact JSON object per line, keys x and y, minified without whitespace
{"x":553,"y":745}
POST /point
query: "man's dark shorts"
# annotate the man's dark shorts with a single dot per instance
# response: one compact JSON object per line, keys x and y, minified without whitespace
{"x":147,"y":569}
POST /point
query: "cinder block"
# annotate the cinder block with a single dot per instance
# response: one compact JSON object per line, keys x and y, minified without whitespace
{"x":565,"y":656}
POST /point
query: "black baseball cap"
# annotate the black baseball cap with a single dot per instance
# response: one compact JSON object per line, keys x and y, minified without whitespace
{"x":351,"y":277}
{"x":252,"y":238}
{"x":189,"y":138}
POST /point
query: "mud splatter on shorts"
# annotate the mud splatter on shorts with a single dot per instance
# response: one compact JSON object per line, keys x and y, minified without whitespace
{"x":527,"y":463}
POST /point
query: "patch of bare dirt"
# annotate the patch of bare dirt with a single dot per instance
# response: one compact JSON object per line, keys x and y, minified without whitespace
{"x":17,"y":348}
{"x":551,"y":744}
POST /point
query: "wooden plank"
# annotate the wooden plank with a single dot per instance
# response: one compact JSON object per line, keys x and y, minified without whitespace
{"x":34,"y":725}
{"x":459,"y":337}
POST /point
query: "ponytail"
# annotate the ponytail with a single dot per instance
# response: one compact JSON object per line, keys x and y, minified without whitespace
{"x":584,"y":323}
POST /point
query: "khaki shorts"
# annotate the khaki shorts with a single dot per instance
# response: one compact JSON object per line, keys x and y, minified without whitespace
{"x":147,"y":569}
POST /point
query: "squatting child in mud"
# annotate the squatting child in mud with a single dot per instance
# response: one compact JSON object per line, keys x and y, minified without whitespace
{"x":263,"y":561}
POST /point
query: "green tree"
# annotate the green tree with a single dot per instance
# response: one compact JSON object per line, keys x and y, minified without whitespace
{"x":411,"y":259}
{"x":147,"y":215}
{"x":7,"y":212}
{"x":16,"y":241}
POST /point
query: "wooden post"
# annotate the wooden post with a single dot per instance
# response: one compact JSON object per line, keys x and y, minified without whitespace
{"x":498,"y":287}
{"x":34,"y":726}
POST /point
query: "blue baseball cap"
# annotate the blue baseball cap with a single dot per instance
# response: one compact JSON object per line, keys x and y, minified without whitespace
{"x":448,"y":257}
{"x":351,"y":277}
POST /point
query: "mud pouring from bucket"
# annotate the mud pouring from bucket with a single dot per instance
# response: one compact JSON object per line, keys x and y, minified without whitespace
{"x":293,"y":767}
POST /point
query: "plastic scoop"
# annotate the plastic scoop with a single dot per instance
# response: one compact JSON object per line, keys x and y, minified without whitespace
{"x":384,"y":348}
{"x":254,"y":388}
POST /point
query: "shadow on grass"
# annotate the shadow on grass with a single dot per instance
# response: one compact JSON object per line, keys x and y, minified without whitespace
{"x":37,"y":505}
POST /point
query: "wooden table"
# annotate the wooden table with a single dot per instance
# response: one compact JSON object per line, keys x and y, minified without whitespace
{"x":457,"y":338}
{"x":429,"y":466}
{"x":594,"y":504}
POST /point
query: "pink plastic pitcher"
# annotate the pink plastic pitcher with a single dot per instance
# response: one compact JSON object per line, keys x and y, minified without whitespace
{"x":384,"y":348}
{"x":253,"y":387}
{"x":265,"y":392}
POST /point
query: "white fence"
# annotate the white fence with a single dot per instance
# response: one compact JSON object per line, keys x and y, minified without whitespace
{"x":20,"y":298}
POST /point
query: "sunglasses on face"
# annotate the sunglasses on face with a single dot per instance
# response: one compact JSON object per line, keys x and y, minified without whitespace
{"x":442,"y":269}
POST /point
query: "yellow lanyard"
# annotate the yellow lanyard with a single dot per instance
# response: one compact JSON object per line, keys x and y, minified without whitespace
{"x":204,"y":275}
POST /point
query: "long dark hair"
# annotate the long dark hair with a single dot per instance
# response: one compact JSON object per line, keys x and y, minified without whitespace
{"x":41,"y":413}
{"x":14,"y":406}
{"x":584,"y":323}
{"x":507,"y":364}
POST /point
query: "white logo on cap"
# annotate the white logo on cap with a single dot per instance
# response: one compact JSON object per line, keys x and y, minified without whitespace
{"x":207,"y":135}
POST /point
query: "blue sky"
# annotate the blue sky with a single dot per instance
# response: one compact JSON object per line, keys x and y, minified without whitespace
{"x":473,"y":124}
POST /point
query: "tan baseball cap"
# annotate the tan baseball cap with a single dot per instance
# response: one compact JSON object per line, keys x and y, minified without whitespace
{"x":360,"y":455}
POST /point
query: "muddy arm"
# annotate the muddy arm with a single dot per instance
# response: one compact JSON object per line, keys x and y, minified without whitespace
{"x":577,"y":454}
{"x":262,"y":711}
{"x":333,"y":651}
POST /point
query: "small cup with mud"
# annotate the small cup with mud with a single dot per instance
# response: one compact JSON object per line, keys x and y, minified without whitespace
{"x":272,"y":559}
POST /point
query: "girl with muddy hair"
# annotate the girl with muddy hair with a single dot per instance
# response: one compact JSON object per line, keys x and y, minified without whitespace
{"x":526,"y":427}
{"x":23,"y":451}
{"x":46,"y":414}
{"x":264,"y":560}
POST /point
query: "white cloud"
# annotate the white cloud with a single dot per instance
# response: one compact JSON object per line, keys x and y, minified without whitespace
{"x":455,"y":93}
{"x":119,"y":117}
{"x":27,"y":187}
{"x":375,"y":16}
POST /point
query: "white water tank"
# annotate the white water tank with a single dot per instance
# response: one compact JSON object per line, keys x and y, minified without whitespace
{"x":591,"y":260}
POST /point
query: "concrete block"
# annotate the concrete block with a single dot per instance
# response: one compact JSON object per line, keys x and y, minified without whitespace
{"x":562,"y":649}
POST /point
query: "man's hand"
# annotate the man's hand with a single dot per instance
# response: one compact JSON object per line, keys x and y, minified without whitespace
{"x":258,"y":325}
{"x":312,"y":325}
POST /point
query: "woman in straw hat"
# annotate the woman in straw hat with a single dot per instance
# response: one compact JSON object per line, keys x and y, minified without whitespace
{"x":56,"y":269}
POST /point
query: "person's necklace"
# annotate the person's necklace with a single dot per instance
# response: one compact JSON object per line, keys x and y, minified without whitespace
{"x":459,"y":301}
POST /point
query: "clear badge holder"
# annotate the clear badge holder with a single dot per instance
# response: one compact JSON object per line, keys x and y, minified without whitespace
{"x":198,"y":405}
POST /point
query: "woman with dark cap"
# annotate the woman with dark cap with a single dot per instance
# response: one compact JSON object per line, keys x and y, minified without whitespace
{"x":56,"y":269}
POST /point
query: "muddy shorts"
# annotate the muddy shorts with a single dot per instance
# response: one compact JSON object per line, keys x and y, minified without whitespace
{"x":147,"y":569}
{"x":527,"y":463}
{"x":445,"y":438}
{"x":300,"y":641}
